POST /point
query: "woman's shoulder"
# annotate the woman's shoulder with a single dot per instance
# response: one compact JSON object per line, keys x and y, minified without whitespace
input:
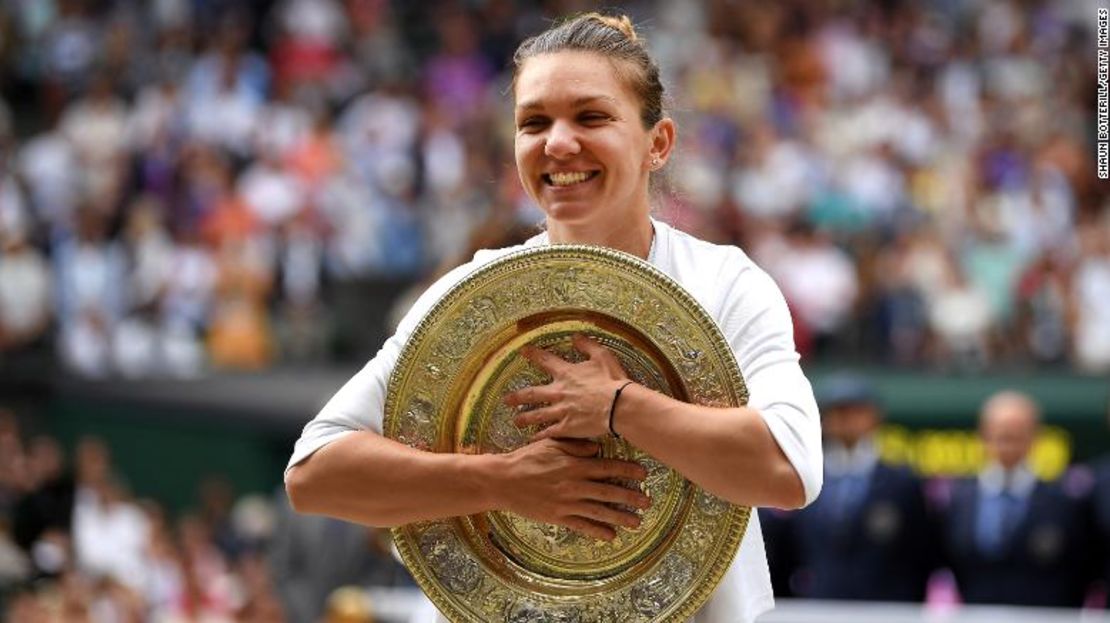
{"x":688,"y":253}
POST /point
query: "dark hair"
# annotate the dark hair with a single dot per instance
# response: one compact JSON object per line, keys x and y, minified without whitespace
{"x":612,"y":37}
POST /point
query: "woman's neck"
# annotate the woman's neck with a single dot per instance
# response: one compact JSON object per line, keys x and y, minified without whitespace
{"x":634,"y":238}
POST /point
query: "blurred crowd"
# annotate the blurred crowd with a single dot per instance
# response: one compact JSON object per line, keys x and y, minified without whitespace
{"x":77,"y":547}
{"x":185,"y":183}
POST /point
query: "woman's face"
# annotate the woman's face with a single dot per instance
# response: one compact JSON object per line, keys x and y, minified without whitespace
{"x":581,"y":150}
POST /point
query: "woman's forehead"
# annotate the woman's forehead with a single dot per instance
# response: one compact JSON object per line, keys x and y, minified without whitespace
{"x":568,"y":77}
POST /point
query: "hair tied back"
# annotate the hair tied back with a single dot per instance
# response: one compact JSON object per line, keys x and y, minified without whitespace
{"x":619,"y":23}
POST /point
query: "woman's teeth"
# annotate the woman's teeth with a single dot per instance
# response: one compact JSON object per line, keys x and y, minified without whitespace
{"x":566,"y":179}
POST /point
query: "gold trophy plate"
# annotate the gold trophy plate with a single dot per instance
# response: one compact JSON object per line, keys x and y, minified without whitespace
{"x":445,"y":395}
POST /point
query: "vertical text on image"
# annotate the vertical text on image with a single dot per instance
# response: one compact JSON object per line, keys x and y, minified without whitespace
{"x":1102,"y":107}
{"x":1103,"y":27}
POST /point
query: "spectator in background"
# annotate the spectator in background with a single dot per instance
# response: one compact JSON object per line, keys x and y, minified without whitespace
{"x":13,"y":463}
{"x":110,"y":532}
{"x":308,"y":54}
{"x":869,"y":536}
{"x":25,"y":300}
{"x":1010,"y":538}
{"x":1091,"y":287}
{"x":820,"y":282}
{"x":48,"y":164}
{"x":457,"y":76}
{"x":96,"y":126}
{"x":138,"y":343}
{"x":42,"y":517}
{"x":207,"y":585}
{"x":960,"y":319}
{"x":1043,"y":306}
{"x":91,"y":282}
{"x":226,"y":88}
{"x":186,"y":306}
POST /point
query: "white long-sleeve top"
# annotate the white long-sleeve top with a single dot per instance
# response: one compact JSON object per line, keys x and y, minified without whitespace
{"x":751,"y":313}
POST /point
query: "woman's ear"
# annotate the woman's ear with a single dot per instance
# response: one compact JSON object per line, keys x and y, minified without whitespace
{"x":662,"y":142}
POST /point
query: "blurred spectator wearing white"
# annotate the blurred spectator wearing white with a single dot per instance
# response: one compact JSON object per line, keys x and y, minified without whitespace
{"x":90,"y":273}
{"x":1092,"y":299}
{"x":110,"y":533}
{"x":25,"y":298}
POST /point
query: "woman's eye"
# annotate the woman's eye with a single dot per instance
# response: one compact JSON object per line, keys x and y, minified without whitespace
{"x":594,"y":118}
{"x":531,"y":123}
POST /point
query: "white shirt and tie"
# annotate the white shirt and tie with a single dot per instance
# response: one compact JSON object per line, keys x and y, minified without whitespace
{"x":1003,"y":501}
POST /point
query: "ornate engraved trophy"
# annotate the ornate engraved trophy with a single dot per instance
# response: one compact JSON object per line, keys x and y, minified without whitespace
{"x":445,"y":396}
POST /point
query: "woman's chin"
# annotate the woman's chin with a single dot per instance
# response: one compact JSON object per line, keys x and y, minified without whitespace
{"x":570,"y":213}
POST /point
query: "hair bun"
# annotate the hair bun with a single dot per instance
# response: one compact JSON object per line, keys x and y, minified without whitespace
{"x":620,"y":23}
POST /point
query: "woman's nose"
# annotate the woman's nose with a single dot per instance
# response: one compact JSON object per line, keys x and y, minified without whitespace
{"x":562,"y":140}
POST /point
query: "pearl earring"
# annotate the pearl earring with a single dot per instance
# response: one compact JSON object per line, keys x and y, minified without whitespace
{"x":655,"y":163}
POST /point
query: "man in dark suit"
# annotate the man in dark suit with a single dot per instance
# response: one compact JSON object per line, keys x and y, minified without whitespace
{"x":869,"y":535}
{"x":1009,"y":537}
{"x":1100,"y":512}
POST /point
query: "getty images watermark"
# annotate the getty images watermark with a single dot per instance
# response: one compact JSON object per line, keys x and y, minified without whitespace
{"x":1102,"y":123}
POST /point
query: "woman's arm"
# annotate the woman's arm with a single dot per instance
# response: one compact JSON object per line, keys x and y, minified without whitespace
{"x":729,"y":452}
{"x":369,"y":479}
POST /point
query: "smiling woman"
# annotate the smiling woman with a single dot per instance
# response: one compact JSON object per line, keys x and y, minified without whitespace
{"x":590,"y":131}
{"x":583,"y":152}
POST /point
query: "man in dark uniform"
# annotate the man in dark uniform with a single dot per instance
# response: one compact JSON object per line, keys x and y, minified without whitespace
{"x":1100,"y":506}
{"x":869,"y":535}
{"x":1009,"y":537}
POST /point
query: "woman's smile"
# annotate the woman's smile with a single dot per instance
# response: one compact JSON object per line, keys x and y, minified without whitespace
{"x":566,"y":179}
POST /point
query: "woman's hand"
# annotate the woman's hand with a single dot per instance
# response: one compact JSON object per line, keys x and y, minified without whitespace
{"x":563,"y":482}
{"x":577,"y":401}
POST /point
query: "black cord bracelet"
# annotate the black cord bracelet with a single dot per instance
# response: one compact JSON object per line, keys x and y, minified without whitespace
{"x":613,"y":408}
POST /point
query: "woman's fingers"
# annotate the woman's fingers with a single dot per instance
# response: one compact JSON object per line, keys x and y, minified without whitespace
{"x":602,"y":469}
{"x":615,"y":494}
{"x":605,"y":514}
{"x":567,"y":485}
{"x":578,"y":447}
{"x":546,"y":361}
{"x":589,"y":347}
{"x":543,"y":415}
{"x":589,"y":528}
{"x":536,"y":394}
{"x":551,"y":432}
{"x":559,"y":430}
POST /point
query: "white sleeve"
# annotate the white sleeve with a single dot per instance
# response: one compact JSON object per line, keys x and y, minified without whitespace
{"x":757,"y":325}
{"x":360,"y":403}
